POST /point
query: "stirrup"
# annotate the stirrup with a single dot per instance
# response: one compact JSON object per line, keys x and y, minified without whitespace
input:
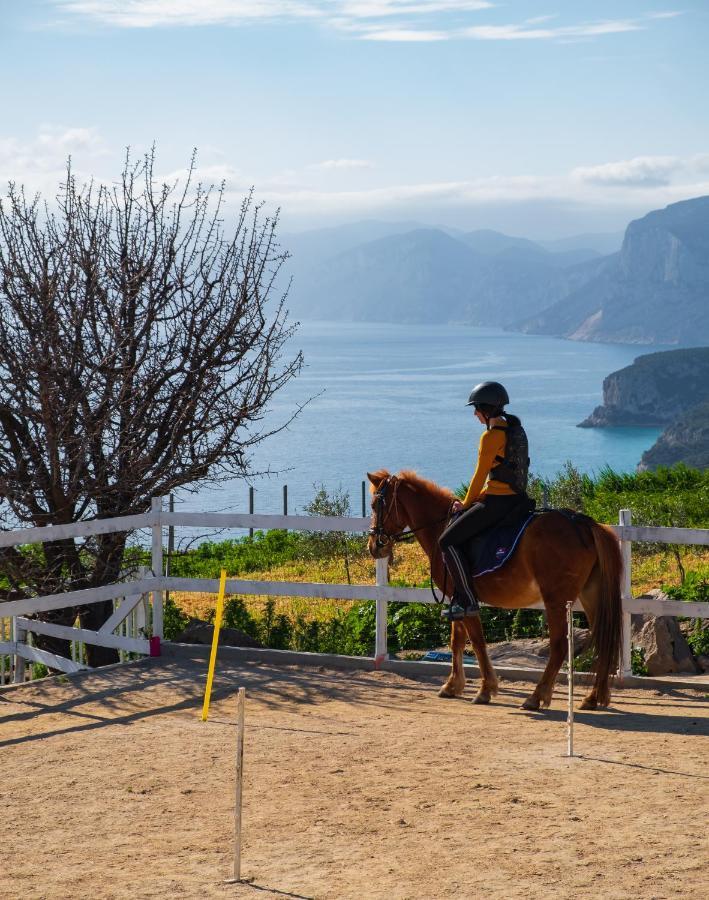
{"x":455,"y":611}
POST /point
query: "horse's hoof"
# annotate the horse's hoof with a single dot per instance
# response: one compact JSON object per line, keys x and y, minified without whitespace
{"x":531,"y":703}
{"x":589,"y":703}
{"x":448,"y":694}
{"x":481,"y":697}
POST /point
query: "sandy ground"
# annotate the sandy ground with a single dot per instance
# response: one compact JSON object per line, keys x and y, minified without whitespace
{"x":357,"y":785}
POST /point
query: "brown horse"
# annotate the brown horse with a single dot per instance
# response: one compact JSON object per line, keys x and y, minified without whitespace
{"x":556,"y":560}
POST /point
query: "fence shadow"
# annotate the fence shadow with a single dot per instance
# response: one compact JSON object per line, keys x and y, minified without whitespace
{"x":123,"y":695}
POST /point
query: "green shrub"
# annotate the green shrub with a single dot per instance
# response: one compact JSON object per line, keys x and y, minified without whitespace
{"x":236,"y":615}
{"x":637,"y":661}
{"x":174,"y":620}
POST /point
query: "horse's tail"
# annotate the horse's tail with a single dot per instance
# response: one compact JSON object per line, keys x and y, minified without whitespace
{"x":607,"y":630}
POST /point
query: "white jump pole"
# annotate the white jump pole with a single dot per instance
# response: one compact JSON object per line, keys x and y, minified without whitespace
{"x":240,"y":703}
{"x":570,"y":678}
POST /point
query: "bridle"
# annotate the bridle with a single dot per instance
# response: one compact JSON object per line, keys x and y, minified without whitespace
{"x":382,"y":537}
{"x":377,"y":531}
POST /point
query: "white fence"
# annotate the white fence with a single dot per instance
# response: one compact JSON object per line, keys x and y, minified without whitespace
{"x":130,"y":604}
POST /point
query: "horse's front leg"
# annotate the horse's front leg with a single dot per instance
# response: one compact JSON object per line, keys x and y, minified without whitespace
{"x":455,"y":685}
{"x":488,"y":678}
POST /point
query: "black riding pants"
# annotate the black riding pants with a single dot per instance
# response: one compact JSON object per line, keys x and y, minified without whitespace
{"x":481,"y":516}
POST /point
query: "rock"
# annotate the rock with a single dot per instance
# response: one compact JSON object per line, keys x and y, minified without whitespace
{"x":533,"y":652}
{"x":656,"y":389}
{"x":703,"y":662}
{"x":666,"y":650}
{"x":199,"y":632}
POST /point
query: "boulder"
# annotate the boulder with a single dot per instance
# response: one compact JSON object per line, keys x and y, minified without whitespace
{"x":666,"y":650}
{"x":199,"y":632}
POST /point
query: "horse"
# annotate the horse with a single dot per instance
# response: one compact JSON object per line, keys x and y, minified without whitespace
{"x":559,"y":557}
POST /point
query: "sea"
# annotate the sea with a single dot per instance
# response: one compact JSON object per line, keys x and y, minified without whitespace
{"x":393,"y":396}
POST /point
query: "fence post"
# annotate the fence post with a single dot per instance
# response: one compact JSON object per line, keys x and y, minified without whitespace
{"x":3,"y":638}
{"x":285,"y":499}
{"x":156,"y":564}
{"x":170,"y":544}
{"x":625,"y":518}
{"x":19,"y":635}
{"x":364,"y":500}
{"x":380,"y":642}
{"x":251,"y":509}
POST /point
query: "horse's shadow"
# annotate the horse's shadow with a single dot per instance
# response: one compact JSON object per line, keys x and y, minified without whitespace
{"x":614,"y":719}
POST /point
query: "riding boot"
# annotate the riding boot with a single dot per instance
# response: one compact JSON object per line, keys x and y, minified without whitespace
{"x":464,"y":601}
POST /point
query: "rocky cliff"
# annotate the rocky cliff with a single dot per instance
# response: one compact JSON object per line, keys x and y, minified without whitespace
{"x":654,"y":390}
{"x":669,"y":388}
{"x":685,"y":440}
{"x":655,"y":291}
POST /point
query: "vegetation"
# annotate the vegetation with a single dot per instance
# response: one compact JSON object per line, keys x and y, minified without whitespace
{"x":663,"y":497}
{"x":331,"y":626}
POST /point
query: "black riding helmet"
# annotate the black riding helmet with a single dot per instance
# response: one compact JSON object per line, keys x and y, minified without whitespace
{"x":488,"y":393}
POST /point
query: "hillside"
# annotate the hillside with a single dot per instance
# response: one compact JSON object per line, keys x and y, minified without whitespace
{"x":686,"y":440}
{"x":656,"y":290}
{"x":428,"y":275}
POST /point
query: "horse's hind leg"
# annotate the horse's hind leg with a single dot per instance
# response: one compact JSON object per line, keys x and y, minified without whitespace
{"x":556,"y":620}
{"x":590,"y":593}
{"x":488,"y":678}
{"x":455,"y":684}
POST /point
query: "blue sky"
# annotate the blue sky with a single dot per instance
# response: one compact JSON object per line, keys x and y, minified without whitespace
{"x":537,"y":117}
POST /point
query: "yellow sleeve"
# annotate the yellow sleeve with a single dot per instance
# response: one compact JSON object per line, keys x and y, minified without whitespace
{"x":491,"y":444}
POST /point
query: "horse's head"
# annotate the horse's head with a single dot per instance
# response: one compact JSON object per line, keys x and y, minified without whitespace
{"x":387,"y":515}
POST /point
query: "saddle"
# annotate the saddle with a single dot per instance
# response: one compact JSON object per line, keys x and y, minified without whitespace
{"x":490,"y":550}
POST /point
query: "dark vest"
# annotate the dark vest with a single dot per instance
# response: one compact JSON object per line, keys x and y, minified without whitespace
{"x":513,"y":467}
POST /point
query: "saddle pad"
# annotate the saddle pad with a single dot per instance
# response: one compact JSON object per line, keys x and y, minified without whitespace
{"x":491,"y":550}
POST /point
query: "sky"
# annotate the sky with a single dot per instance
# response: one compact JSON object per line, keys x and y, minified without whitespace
{"x":542,"y":118}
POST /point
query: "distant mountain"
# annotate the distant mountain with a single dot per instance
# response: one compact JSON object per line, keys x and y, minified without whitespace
{"x":411,"y":277}
{"x":493,"y":243}
{"x":427,"y":275}
{"x":656,"y":290}
{"x":602,"y":244}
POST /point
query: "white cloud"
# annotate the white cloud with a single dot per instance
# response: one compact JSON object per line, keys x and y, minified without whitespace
{"x":151,"y":13}
{"x":374,"y":20}
{"x":670,"y":14}
{"x":524,"y":32}
{"x":403,"y":35}
{"x":372,"y":9}
{"x":641,"y":171}
{"x":40,"y":162}
{"x":647,"y":182}
{"x":343,"y":164}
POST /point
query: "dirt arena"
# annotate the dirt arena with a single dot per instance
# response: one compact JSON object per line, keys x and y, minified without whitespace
{"x":356,"y":785}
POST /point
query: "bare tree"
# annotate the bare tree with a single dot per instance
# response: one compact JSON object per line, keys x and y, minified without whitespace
{"x":140,"y":345}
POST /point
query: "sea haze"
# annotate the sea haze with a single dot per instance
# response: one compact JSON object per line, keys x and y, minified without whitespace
{"x":394,"y":396}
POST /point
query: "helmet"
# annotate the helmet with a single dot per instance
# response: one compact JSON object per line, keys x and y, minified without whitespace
{"x":489,"y":393}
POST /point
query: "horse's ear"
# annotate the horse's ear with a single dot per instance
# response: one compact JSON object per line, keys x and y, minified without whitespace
{"x":373,"y":478}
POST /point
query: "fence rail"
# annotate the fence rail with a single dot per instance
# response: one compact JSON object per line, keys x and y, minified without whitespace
{"x":127,"y":595}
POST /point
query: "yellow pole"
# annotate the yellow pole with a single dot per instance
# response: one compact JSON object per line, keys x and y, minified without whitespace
{"x":215,"y":643}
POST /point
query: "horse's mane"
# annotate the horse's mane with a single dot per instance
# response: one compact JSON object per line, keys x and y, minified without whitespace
{"x":423,"y":485}
{"x":415,"y":481}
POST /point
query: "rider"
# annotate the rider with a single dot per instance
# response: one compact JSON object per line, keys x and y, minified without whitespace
{"x":499,"y":483}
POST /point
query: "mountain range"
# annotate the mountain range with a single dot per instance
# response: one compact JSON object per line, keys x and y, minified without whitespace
{"x":653,"y":289}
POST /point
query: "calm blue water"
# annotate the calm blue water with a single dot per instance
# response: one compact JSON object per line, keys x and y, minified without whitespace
{"x":394,"y":396}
